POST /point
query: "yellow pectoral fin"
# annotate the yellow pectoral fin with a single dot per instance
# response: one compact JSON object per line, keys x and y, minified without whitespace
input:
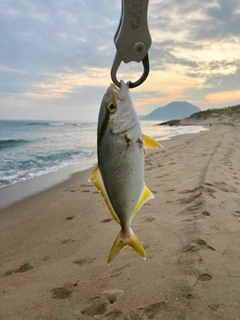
{"x":96,"y":178}
{"x":150,"y":143}
{"x":122,"y":242}
{"x":146,"y":195}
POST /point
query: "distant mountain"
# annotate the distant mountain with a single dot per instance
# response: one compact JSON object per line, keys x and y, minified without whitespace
{"x":173,"y":110}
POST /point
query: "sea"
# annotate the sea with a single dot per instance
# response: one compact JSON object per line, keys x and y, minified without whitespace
{"x":31,"y":149}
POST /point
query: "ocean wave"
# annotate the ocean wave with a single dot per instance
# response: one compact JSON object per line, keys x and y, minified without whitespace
{"x":45,"y":123}
{"x":37,"y":124}
{"x":63,"y":156}
{"x":11,"y":143}
{"x":41,"y":165}
{"x":82,"y":124}
{"x":56,"y":123}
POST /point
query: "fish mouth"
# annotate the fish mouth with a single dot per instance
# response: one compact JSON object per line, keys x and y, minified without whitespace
{"x":118,"y":93}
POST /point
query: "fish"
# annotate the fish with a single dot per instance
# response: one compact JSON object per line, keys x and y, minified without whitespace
{"x":119,"y":176}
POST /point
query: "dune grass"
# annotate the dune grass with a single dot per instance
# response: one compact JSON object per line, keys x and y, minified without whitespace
{"x":233,"y":112}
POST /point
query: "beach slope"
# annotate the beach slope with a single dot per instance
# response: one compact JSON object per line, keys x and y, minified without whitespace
{"x":54,"y":245}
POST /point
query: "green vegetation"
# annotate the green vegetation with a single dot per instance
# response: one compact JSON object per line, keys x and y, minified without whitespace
{"x":233,"y":112}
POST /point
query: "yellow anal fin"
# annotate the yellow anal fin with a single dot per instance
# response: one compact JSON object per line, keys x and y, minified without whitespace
{"x":146,"y":195}
{"x":150,"y":143}
{"x":121,"y":242}
{"x":96,"y":178}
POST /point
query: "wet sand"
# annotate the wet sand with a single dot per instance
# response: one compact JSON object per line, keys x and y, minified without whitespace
{"x":54,"y":245}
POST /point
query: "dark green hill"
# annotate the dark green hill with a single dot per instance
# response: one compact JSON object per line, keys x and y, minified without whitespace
{"x":233,"y":112}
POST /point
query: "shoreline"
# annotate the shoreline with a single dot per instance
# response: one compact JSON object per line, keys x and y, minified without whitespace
{"x":19,"y":191}
{"x":54,"y":245}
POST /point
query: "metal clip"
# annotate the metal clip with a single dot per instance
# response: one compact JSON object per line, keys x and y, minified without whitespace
{"x":116,"y":64}
{"x":132,"y":39}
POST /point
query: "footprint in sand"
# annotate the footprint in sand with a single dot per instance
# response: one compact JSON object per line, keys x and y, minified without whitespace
{"x":107,"y":220}
{"x":113,"y":295}
{"x":63,"y":292}
{"x":209,"y":184}
{"x":99,"y":306}
{"x":67,"y":241}
{"x":211,"y":195}
{"x":23,"y":268}
{"x":206,"y":214}
{"x":224,"y":189}
{"x":214,"y":306}
{"x":237,"y":215}
{"x":148,"y":163}
{"x":203,"y":278}
{"x":190,"y":199}
{"x":46,"y":258}
{"x":116,"y":272}
{"x":190,"y":190}
{"x":85,"y":261}
{"x":197,"y":245}
{"x":191,"y":248}
{"x":155,"y":310}
{"x":150,"y":219}
{"x":209,"y":190}
{"x":159,"y":310}
{"x":70,"y":190}
{"x":115,"y":315}
{"x":195,"y":207}
{"x":69,"y":218}
{"x":96,"y":308}
{"x":203,"y":243}
{"x":221,"y":184}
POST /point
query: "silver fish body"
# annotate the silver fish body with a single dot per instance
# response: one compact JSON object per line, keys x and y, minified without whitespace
{"x":120,"y":172}
{"x":121,"y":155}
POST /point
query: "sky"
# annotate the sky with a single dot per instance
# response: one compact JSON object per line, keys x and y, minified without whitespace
{"x":56,"y":56}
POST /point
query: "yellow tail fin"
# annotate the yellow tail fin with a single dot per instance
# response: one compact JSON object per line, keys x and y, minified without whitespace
{"x":122,"y":242}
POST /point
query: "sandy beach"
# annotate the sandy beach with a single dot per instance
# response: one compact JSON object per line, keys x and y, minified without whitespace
{"x":54,"y":245}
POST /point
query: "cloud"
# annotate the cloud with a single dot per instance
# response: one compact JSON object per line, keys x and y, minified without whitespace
{"x":223,"y":97}
{"x":55,"y":53}
{"x":61,"y":84}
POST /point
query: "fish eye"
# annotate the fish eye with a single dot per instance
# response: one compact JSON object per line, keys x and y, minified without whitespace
{"x":111,"y":107}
